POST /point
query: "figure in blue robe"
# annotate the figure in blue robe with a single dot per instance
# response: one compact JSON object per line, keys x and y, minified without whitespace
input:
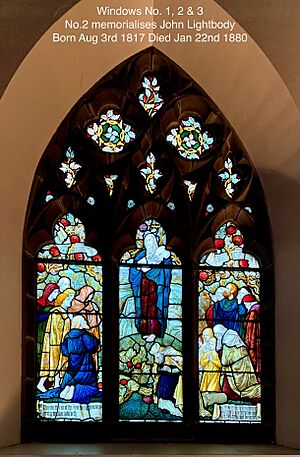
{"x":79,"y":383}
{"x":151,"y":287}
{"x":229,"y":312}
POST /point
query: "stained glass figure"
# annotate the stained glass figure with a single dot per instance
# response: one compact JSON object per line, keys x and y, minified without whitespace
{"x":150,"y":98}
{"x":150,"y":329}
{"x":229,"y":331}
{"x":49,"y":196}
{"x":70,"y":168}
{"x":69,"y":242}
{"x":110,"y":183}
{"x":191,"y":187}
{"x":69,"y":328}
{"x":190,"y":139}
{"x":230,"y":175}
{"x":111,"y":133}
{"x":150,"y":173}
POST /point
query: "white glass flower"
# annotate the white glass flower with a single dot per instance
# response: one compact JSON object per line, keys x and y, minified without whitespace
{"x":150,"y":173}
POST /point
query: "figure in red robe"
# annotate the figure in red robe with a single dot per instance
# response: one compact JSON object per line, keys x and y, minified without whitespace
{"x":252,"y":332}
{"x":151,"y":287}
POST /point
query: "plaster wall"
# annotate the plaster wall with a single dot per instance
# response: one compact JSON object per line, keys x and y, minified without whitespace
{"x":250,"y":93}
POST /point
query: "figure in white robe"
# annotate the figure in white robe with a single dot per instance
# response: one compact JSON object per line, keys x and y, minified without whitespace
{"x":236,"y":364}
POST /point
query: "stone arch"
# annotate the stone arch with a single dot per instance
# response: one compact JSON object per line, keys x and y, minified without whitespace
{"x":38,"y":97}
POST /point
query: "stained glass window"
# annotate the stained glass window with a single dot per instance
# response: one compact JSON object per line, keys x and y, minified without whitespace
{"x":150,"y":173}
{"x":90,"y":200}
{"x":150,"y":98}
{"x":48,"y":196}
{"x":130,"y":204}
{"x":148,"y":296}
{"x":150,"y":329}
{"x":191,"y":187}
{"x":70,"y":168}
{"x":111,"y":133}
{"x":69,"y":326}
{"x":229,"y":331}
{"x":230,"y":176}
{"x":110,"y":183}
{"x":189,"y":138}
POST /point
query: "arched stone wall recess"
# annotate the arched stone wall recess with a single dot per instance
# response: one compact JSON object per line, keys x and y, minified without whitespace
{"x":250,"y":93}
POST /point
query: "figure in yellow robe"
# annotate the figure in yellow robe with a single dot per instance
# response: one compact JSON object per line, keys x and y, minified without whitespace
{"x":58,"y":325}
{"x":209,"y":362}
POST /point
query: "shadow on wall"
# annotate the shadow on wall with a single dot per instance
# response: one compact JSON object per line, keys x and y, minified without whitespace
{"x":10,"y":421}
{"x":31,"y":23}
{"x":283,"y":198}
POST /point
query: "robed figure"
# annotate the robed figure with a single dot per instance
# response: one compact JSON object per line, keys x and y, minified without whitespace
{"x":209,"y":361}
{"x":252,"y":332}
{"x":240,"y":380}
{"x":151,"y":287}
{"x":79,"y":383}
{"x":228,"y":311}
{"x":58,"y":325}
{"x":169,"y":388}
{"x":83,"y":304}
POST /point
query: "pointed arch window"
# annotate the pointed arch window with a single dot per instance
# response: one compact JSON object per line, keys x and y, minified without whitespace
{"x":147,"y":268}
